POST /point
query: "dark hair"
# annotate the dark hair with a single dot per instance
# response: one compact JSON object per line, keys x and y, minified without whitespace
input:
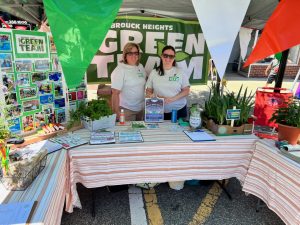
{"x":160,"y":68}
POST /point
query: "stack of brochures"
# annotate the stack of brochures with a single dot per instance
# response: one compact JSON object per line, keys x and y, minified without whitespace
{"x":102,"y":137}
{"x":199,"y":135}
{"x":130,"y":137}
{"x":69,"y":141}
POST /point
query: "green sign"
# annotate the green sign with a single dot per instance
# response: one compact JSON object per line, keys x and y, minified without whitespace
{"x":152,"y":34}
{"x":233,"y":114}
{"x":33,"y":45}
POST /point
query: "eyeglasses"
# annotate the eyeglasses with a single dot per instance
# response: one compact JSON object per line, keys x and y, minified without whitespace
{"x":133,"y":53}
{"x":168,"y":56}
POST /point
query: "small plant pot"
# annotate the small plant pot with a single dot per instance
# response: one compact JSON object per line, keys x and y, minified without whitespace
{"x":224,"y":129}
{"x":288,"y":133}
{"x":103,"y":123}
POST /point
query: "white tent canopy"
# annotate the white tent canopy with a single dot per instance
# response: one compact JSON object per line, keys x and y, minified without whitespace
{"x":256,"y":16}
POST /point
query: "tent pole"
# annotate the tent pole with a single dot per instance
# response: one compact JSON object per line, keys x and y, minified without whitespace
{"x":281,"y":69}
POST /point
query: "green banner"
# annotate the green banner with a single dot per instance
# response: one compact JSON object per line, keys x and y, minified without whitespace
{"x":152,"y":34}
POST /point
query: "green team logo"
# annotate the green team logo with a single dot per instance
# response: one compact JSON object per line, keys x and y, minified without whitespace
{"x":140,"y":75}
{"x":174,"y":78}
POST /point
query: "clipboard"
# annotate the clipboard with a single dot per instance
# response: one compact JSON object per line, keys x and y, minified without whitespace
{"x":199,"y":136}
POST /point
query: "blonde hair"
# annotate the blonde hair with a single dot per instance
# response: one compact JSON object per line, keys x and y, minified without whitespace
{"x":127,"y":48}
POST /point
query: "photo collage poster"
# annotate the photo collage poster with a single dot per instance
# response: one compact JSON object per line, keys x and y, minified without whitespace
{"x":32,"y":81}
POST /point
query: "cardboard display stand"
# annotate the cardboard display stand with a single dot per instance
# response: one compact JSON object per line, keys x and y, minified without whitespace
{"x":32,"y":83}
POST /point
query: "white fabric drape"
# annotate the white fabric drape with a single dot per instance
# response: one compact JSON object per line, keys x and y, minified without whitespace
{"x":245,"y":37}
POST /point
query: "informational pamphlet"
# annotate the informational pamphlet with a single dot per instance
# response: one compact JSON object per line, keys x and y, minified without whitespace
{"x":69,"y":141}
{"x":130,"y":137}
{"x":138,"y":125}
{"x":154,"y":110}
{"x":102,"y":137}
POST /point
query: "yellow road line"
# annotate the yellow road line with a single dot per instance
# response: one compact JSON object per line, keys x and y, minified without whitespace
{"x":207,"y":205}
{"x":153,"y":211}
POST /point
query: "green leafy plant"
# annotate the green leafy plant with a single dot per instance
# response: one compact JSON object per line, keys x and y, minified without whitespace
{"x":288,"y":115}
{"x":94,"y":110}
{"x":216,"y":105}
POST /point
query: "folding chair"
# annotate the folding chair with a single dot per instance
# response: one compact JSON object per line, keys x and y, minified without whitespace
{"x":266,"y":102}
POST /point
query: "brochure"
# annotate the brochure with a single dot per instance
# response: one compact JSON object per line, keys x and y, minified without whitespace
{"x":138,"y":125}
{"x":152,"y":126}
{"x":199,"y":135}
{"x":102,"y":137}
{"x":130,"y":137}
{"x":154,"y":110}
{"x":69,"y":141}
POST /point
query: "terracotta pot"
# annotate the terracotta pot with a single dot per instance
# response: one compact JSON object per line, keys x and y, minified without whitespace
{"x":288,"y":133}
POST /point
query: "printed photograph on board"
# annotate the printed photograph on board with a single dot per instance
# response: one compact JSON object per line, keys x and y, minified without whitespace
{"x":52,"y":45}
{"x":80,"y":95}
{"x":13,"y":110}
{"x":23,"y":79}
{"x":39,"y":119}
{"x":14,"y":125}
{"x":11,"y":98}
{"x":42,"y":65}
{"x":27,"y":92}
{"x":5,"y":42}
{"x":60,"y":115}
{"x":44,"y":87}
{"x":59,"y":103}
{"x":27,"y":122}
{"x":6,"y":62}
{"x":8,"y":83}
{"x":39,"y":77}
{"x":46,"y":99}
{"x":56,"y":66}
{"x":72,"y":96}
{"x":55,"y":76}
{"x":24,"y":65}
{"x":31,"y":105}
{"x":48,"y":109}
{"x":58,"y":89}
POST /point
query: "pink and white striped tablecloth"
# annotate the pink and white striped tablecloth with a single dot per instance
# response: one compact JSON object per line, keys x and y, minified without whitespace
{"x":276,"y":180}
{"x":48,"y":189}
{"x":163,"y":156}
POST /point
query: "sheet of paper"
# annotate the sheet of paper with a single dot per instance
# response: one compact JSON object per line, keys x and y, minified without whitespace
{"x":15,"y":213}
{"x":199,"y":136}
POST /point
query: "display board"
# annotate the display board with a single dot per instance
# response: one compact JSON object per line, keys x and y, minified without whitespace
{"x":33,"y":87}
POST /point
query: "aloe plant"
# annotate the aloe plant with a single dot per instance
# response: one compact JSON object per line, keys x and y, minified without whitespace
{"x":216,"y":106}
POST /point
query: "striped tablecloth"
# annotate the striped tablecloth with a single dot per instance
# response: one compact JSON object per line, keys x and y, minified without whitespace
{"x":276,"y":180}
{"x":48,"y":189}
{"x":163,"y":156}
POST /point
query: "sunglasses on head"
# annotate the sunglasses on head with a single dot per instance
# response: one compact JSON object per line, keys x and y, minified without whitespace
{"x":133,"y":53}
{"x":168,"y":56}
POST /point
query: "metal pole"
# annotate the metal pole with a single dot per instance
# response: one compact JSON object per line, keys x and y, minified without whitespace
{"x":281,"y":69}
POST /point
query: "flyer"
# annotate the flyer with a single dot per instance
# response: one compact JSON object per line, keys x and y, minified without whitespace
{"x":154,"y":110}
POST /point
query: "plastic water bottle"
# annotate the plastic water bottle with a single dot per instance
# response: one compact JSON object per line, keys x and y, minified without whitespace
{"x":122,"y":117}
{"x":174,"y":116}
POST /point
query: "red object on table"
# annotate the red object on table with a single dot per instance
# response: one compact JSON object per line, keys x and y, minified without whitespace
{"x":266,"y":103}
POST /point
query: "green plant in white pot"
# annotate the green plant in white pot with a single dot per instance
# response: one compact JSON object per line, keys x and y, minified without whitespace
{"x":288,"y":120}
{"x":95,"y":115}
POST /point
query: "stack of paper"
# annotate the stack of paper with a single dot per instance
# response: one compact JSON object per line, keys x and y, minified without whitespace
{"x":199,"y":136}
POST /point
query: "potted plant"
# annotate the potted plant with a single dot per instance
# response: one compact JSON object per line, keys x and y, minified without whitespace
{"x":288,"y":120}
{"x":95,"y":114}
{"x":216,"y":107}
